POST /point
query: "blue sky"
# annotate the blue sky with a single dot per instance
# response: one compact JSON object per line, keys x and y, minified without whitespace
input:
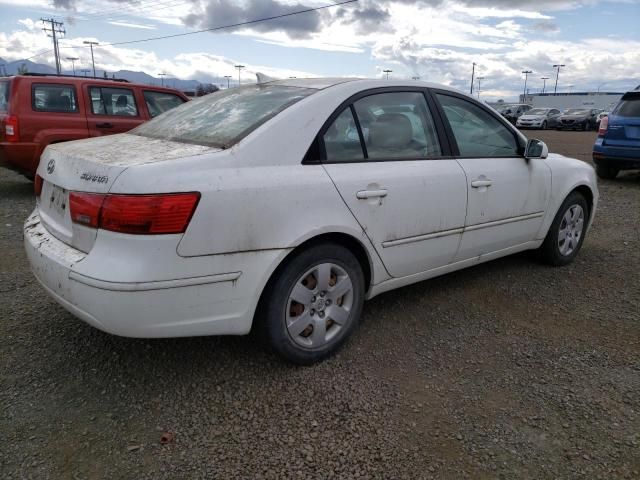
{"x":438,"y":40}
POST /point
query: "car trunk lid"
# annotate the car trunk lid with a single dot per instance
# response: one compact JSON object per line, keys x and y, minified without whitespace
{"x":92,"y":166}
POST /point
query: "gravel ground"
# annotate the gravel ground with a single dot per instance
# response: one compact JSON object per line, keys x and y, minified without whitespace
{"x":511,"y":369}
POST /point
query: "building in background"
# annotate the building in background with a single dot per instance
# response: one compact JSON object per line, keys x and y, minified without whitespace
{"x":599,"y":100}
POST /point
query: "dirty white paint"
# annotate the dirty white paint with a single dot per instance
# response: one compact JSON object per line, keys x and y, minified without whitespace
{"x":258,"y":203}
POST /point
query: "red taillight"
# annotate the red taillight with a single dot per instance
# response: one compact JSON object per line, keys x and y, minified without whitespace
{"x":135,"y":214}
{"x":11,"y":129}
{"x":37,"y":185}
{"x":604,"y":125}
{"x":85,"y":208}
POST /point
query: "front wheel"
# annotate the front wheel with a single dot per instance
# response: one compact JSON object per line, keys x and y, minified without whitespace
{"x":314,"y":303}
{"x":544,"y":125}
{"x":566,"y":234}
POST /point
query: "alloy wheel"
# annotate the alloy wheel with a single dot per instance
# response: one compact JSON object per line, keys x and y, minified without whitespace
{"x":570,"y":230}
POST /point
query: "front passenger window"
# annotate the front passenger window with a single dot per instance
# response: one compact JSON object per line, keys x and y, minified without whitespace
{"x":477,"y":132}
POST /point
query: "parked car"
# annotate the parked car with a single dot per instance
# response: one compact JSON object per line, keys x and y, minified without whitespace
{"x":618,"y":144}
{"x":541,"y":118}
{"x":39,"y":110}
{"x":577,"y":119}
{"x":513,"y":112}
{"x":282,"y":206}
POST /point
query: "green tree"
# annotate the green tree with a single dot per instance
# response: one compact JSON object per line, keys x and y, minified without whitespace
{"x":22,"y":69}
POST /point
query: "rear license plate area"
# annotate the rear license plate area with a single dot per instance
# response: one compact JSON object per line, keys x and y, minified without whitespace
{"x":58,"y":201}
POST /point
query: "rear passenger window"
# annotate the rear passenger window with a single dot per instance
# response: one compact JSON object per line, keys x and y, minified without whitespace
{"x":54,"y":98}
{"x":397,"y":125}
{"x":160,"y":102}
{"x":341,"y":141}
{"x":113,"y":101}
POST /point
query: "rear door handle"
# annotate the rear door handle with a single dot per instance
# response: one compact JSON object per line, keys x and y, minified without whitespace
{"x":481,"y":183}
{"x":364,"y":194}
{"x":104,"y":125}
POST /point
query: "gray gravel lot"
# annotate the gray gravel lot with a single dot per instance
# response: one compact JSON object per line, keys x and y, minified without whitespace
{"x":510,"y":370}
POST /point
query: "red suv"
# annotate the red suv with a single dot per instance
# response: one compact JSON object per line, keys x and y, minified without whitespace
{"x":37,"y":110}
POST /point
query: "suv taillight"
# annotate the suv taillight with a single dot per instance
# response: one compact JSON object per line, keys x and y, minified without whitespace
{"x":135,"y":214}
{"x":604,"y":125}
{"x":11,"y":129}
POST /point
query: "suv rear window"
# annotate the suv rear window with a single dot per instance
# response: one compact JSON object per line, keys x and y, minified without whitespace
{"x":54,"y":98}
{"x":160,"y":102}
{"x":4,"y":97}
{"x":629,"y":106}
{"x":223,"y":118}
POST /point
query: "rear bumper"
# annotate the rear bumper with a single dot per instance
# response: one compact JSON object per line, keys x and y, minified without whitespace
{"x":620,"y":158}
{"x":21,"y":157}
{"x":221,"y":303}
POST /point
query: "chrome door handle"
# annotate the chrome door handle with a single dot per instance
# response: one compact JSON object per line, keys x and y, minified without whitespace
{"x":481,"y":183}
{"x":364,"y":194}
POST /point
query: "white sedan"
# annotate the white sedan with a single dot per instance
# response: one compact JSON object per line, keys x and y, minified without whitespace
{"x":282,"y":206}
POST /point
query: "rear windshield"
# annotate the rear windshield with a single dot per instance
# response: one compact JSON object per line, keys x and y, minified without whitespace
{"x":4,"y":97}
{"x":629,"y":106}
{"x":223,"y":118}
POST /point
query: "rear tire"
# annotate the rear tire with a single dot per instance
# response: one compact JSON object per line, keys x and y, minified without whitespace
{"x":566,"y":234}
{"x":544,"y":125}
{"x":313,"y":304}
{"x":606,"y":173}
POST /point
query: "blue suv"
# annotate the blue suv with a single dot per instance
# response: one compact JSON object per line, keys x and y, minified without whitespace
{"x":618,"y":144}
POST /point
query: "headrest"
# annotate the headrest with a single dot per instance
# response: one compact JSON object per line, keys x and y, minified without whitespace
{"x":122,"y":101}
{"x":391,"y":130}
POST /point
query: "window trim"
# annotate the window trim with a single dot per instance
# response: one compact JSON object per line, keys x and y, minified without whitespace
{"x":454,"y":144}
{"x":53,"y":110}
{"x":133,"y":94}
{"x":446,"y":152}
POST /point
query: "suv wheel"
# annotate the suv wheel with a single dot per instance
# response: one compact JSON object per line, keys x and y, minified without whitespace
{"x":607,"y":173}
{"x":314,"y":304}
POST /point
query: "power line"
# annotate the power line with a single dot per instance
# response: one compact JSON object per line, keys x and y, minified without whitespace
{"x":213,"y":29}
{"x":239,"y":24}
{"x":56,"y":27}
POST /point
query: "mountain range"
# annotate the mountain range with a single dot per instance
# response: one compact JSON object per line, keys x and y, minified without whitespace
{"x":11,"y":68}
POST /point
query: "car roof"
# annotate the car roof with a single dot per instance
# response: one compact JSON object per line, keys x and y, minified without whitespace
{"x":66,"y":79}
{"x":322,"y":83}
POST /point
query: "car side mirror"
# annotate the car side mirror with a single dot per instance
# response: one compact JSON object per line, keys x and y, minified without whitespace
{"x":536,"y":149}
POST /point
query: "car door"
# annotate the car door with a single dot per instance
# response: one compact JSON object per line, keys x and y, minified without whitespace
{"x":554,"y":115}
{"x":384,"y":154}
{"x":111,"y":109}
{"x":507,"y":193}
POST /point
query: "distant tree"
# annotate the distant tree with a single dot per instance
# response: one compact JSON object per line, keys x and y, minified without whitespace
{"x":22,"y":69}
{"x":113,"y":76}
{"x":105,"y":74}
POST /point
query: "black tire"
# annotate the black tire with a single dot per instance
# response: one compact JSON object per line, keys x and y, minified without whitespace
{"x":544,"y":125}
{"x":550,"y":249}
{"x":273,"y":317}
{"x":585,"y":126}
{"x":607,"y":173}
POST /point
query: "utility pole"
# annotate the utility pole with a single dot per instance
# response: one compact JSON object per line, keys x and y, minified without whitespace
{"x":544,"y":85}
{"x":239,"y":67}
{"x":55,"y":28}
{"x":387,"y":72}
{"x":85,"y":71}
{"x":479,"y":79}
{"x":524,"y":93}
{"x":3,"y":72}
{"x":161,"y":75}
{"x":73,"y":64}
{"x":473,"y":73}
{"x":91,"y":44}
{"x":558,"y":66}
{"x":227,"y":77}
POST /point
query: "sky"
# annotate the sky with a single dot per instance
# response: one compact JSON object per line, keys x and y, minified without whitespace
{"x":598,"y":41}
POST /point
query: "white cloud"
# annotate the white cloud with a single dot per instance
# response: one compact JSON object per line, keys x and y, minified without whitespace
{"x":132,"y":25}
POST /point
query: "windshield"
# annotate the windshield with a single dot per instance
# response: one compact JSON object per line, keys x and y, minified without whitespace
{"x":4,"y":97}
{"x":576,"y":111}
{"x":223,"y":118}
{"x":537,"y":111}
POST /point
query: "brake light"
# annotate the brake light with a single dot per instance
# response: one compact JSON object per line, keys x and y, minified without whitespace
{"x":11,"y":129}
{"x":85,"y":208}
{"x":134,"y":214}
{"x":604,"y":125}
{"x":37,"y":185}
